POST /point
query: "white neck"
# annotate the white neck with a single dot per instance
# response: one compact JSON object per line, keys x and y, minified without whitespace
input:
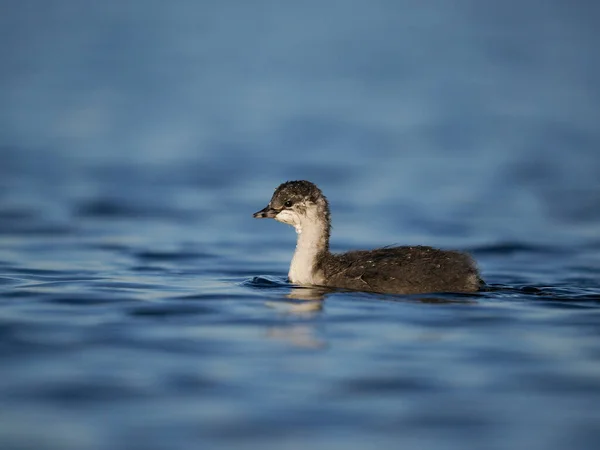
{"x":312,"y":240}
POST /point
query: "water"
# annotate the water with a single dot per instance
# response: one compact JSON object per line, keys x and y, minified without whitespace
{"x":142,"y":307}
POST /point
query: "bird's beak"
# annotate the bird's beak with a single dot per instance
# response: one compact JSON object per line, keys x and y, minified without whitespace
{"x":266,"y":213}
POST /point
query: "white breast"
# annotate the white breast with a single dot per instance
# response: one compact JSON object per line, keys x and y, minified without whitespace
{"x":301,"y":268}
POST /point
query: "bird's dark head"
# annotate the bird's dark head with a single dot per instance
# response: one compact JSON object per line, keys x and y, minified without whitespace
{"x":294,"y":202}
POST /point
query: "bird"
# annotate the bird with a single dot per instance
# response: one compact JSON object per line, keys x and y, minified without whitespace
{"x":387,"y":270}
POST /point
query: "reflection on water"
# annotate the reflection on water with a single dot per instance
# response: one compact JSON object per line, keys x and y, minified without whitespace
{"x":301,"y":336}
{"x":308,"y":293}
{"x":452,"y":298}
{"x":307,"y":306}
{"x":303,"y":303}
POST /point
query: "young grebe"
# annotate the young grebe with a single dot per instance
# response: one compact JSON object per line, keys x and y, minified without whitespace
{"x":389,"y":270}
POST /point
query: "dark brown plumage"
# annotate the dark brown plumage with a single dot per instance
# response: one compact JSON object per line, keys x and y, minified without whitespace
{"x":401,"y":270}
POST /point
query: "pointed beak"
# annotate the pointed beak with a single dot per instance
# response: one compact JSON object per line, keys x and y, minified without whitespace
{"x":266,"y":213}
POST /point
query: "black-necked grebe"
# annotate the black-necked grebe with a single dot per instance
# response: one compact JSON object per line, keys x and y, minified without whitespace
{"x":390,"y":270}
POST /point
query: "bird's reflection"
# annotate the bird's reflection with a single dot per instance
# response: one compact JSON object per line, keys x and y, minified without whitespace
{"x":465,"y":300}
{"x":300,"y":303}
{"x":302,"y":300}
{"x":301,"y":336}
{"x":308,"y":293}
{"x":305,"y":303}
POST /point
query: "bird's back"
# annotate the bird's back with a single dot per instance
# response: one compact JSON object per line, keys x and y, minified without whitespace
{"x":401,"y":270}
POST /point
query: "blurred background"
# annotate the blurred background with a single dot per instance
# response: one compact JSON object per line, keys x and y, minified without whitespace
{"x":138,"y":137}
{"x":485,"y":109}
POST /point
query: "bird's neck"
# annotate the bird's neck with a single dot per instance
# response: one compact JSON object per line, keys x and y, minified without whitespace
{"x":311,"y":245}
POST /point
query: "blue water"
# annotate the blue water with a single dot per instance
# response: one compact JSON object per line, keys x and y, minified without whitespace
{"x":142,"y":307}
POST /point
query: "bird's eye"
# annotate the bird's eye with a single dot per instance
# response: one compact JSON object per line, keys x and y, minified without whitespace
{"x":288,"y":204}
